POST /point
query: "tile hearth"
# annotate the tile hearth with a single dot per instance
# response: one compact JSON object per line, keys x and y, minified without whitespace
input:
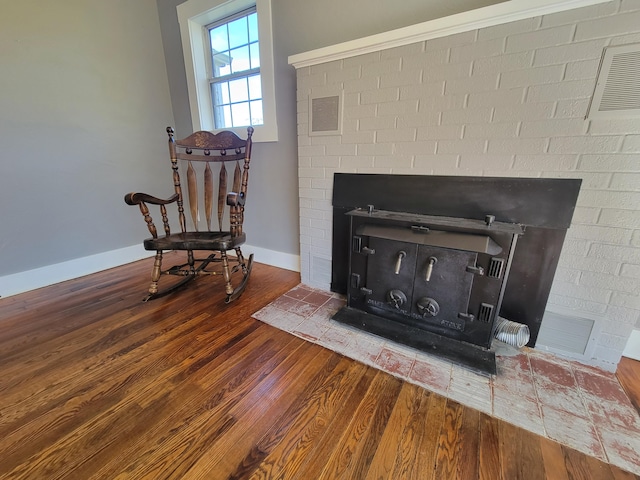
{"x":579,"y":406}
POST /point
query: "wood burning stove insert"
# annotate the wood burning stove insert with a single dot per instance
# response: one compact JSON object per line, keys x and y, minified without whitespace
{"x":431,"y":275}
{"x":437,"y":259}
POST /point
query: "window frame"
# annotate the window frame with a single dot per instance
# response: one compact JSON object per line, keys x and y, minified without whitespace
{"x":193,"y":18}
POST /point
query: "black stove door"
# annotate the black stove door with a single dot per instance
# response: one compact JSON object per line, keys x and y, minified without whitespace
{"x":390,"y":274}
{"x":429,"y":285}
{"x":442,"y":286}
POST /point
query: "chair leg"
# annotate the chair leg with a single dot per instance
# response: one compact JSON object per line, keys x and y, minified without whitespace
{"x":232,"y":293}
{"x":226,"y":271}
{"x":240,"y":288}
{"x":241,"y":261}
{"x":155,"y":274}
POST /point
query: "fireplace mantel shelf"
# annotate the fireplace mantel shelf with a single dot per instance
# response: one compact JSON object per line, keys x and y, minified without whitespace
{"x":508,"y":11}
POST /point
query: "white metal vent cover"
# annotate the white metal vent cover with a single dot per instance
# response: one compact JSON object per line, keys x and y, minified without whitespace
{"x":569,"y":333}
{"x":617,"y":92}
{"x":325,"y":114}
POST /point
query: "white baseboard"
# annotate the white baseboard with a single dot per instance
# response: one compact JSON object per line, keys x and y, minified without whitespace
{"x":273,"y":258}
{"x":41,"y":277}
{"x":632,"y":349}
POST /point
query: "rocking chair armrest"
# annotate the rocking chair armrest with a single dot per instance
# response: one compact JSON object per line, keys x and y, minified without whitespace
{"x":138,"y":198}
{"x":141,"y":199}
{"x":235,"y":199}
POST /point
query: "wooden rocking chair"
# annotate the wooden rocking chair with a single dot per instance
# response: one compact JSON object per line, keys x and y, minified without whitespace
{"x":196,"y":155}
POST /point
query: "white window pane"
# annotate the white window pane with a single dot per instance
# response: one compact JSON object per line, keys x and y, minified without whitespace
{"x":220,"y":93}
{"x":240,"y":113}
{"x":225,"y":93}
{"x":218,"y":35}
{"x":253,"y":27}
{"x":255,"y":87}
{"x":218,"y":115}
{"x":216,"y":93}
{"x":238,"y":32}
{"x":221,"y":64}
{"x":223,"y":117}
{"x":255,"y":55}
{"x":257,"y":117}
{"x":240,"y":59}
{"x":238,"y":90}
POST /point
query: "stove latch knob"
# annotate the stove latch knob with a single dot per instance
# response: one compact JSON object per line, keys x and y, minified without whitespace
{"x":489,"y":219}
{"x":396,"y":298}
{"x":428,"y":307}
{"x":475,"y":269}
{"x":366,"y":291}
{"x":401,"y":255}
{"x":432,"y":261}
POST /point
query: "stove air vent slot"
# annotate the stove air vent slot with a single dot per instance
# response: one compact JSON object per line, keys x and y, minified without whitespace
{"x":495,"y":267}
{"x":485,"y":314}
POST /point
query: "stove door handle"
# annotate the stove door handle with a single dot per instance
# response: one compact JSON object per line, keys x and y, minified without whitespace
{"x":432,"y":262}
{"x":401,"y":255}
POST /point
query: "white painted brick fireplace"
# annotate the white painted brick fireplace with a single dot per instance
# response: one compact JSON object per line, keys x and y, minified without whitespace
{"x":503,"y":100}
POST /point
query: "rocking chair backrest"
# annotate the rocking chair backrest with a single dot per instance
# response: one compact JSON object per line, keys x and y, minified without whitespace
{"x":201,"y":151}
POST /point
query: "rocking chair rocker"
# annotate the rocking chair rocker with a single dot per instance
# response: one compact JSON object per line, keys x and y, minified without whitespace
{"x":198,"y":153}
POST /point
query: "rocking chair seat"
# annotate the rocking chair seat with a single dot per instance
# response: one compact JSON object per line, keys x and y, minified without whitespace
{"x":220,"y":241}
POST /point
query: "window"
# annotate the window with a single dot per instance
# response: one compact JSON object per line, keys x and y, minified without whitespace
{"x":229,"y":65}
{"x":236,"y":88}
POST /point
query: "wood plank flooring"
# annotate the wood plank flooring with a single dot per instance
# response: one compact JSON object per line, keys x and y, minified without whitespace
{"x":96,"y":384}
{"x":628,"y":374}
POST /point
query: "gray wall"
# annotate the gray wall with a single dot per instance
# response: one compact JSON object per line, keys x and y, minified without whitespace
{"x":299,"y":25}
{"x":82,"y":81}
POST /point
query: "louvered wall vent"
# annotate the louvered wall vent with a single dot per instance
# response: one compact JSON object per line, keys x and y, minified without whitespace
{"x":617,"y":92}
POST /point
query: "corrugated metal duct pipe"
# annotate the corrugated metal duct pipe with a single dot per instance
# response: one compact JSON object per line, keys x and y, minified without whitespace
{"x":512,"y":333}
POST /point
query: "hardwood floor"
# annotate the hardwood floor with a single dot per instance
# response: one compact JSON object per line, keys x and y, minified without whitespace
{"x":628,"y":374}
{"x":98,"y":385}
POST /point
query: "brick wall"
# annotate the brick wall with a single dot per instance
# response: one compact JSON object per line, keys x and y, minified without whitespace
{"x":508,"y":100}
